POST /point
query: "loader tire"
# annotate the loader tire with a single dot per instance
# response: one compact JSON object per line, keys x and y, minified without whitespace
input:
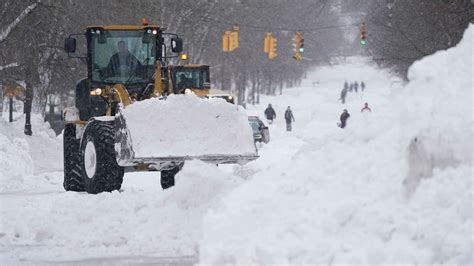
{"x":99,"y":167}
{"x":73,"y":180}
{"x":167,"y":176}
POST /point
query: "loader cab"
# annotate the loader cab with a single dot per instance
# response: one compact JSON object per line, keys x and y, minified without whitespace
{"x":193,"y":77}
{"x":122,"y":59}
{"x":123,"y":55}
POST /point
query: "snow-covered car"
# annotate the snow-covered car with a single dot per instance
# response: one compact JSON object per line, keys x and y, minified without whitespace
{"x":260,"y":130}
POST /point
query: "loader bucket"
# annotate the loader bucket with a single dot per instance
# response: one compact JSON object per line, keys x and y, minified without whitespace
{"x":166,"y":132}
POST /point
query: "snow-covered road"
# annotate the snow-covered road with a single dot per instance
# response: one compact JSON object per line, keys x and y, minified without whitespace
{"x":370,"y":194}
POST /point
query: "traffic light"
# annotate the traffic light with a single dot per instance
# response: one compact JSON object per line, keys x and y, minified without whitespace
{"x":230,"y":40}
{"x":233,"y":41}
{"x":302,"y":45}
{"x":266,"y":43}
{"x":273,"y":48}
{"x":270,"y":46}
{"x":363,"y":33}
{"x":226,"y":41}
{"x":298,"y":45}
{"x":363,"y":40}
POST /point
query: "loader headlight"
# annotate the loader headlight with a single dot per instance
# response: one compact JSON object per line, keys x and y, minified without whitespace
{"x":154,"y":32}
{"x":96,"y":92}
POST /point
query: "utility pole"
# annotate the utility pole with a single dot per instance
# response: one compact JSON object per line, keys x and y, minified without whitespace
{"x":10,"y":108}
{"x":27,"y":109}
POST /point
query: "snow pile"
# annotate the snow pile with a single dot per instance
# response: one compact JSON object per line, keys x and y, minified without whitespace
{"x":45,"y":146}
{"x":323,"y":195}
{"x":141,"y":220}
{"x":23,"y":156}
{"x":440,"y":104}
{"x":187,"y":125}
{"x":15,"y":161}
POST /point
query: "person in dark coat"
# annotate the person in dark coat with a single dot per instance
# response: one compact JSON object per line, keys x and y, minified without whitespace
{"x":270,"y":114}
{"x":343,"y":95}
{"x":122,"y":58}
{"x":351,"y":87}
{"x":362,"y":86}
{"x":184,"y":82}
{"x":356,"y":86}
{"x":289,"y":118}
{"x":344,"y":116}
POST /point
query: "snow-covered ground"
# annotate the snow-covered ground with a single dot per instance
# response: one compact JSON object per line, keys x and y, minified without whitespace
{"x":394,"y":187}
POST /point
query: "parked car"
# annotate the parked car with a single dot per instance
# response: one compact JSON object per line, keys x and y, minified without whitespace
{"x":260,"y":130}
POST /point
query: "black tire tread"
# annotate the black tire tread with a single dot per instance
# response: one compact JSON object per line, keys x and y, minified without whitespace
{"x":73,"y":180}
{"x":109,"y":175}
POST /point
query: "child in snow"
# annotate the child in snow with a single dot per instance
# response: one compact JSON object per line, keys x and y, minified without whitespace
{"x":366,"y":108}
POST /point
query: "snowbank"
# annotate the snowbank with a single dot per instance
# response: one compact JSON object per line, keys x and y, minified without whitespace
{"x":440,"y":104}
{"x":23,"y":156}
{"x":141,"y":220}
{"x":332,"y":196}
{"x":15,"y":161}
{"x":187,"y":125}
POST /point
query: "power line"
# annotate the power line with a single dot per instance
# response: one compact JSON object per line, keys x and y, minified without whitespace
{"x":208,"y":19}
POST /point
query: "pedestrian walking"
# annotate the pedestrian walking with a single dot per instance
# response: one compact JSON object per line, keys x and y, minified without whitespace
{"x":343,"y":95}
{"x":344,"y":116}
{"x":289,"y":118}
{"x":270,"y":114}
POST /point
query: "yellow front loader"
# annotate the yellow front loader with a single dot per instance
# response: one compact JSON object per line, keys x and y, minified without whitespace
{"x":127,"y":73}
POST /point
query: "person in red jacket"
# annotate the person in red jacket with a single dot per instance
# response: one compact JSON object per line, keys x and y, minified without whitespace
{"x":366,"y":108}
